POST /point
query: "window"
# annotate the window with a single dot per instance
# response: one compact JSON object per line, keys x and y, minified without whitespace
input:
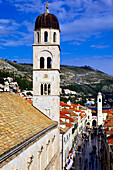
{"x":49,"y":89}
{"x":48,"y":62}
{"x":88,"y":123}
{"x":45,"y":36}
{"x":73,"y":130}
{"x":42,"y":89}
{"x":42,"y":62}
{"x":45,"y":89}
{"x":99,"y":100}
{"x":38,"y":37}
{"x":54,"y":37}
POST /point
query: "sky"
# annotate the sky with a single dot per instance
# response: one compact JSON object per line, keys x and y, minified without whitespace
{"x":86,"y":31}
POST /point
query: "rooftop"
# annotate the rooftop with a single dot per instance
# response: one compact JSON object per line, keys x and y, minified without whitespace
{"x":19,"y":121}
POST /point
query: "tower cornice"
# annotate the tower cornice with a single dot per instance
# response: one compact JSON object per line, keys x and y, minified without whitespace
{"x":47,"y":70}
{"x":47,"y":45}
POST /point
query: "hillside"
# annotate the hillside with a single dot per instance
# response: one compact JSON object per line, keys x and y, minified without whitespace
{"x":21,"y":73}
{"x":81,"y":79}
{"x":86,"y":79}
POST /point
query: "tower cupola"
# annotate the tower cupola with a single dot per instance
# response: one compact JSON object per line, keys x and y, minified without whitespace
{"x":47,"y":20}
{"x":47,"y":29}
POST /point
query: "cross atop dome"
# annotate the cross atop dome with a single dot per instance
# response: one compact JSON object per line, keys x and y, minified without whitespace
{"x":47,"y":10}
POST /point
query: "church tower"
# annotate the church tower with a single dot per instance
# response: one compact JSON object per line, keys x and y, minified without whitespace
{"x":46,"y":65}
{"x":99,"y":109}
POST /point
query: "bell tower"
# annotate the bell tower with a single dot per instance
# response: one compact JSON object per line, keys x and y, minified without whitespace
{"x":46,"y":65}
{"x":99,"y":109}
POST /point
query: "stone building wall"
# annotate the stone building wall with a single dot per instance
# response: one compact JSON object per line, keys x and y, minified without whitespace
{"x":45,"y":152}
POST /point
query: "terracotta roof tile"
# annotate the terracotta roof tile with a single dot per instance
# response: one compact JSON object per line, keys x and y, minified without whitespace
{"x":64,"y":104}
{"x":19,"y":121}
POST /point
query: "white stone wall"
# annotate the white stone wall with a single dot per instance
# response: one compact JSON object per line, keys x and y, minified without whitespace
{"x":49,"y":105}
{"x":50,"y":144}
{"x":46,"y":51}
{"x":6,"y":86}
{"x":48,"y":77}
{"x":67,"y":144}
{"x":89,"y":117}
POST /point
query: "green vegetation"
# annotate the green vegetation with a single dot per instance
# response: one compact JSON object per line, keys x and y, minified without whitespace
{"x":22,"y":81}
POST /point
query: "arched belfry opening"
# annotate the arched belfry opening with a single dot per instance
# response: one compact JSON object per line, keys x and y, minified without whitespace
{"x":49,"y":89}
{"x":94,"y":123}
{"x":45,"y":36}
{"x":38,"y":37}
{"x":42,"y":62}
{"x":54,"y":37}
{"x":49,"y":62}
{"x":42,"y":92}
{"x":45,"y":89}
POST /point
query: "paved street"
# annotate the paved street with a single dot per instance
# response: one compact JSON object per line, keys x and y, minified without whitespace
{"x":89,"y":156}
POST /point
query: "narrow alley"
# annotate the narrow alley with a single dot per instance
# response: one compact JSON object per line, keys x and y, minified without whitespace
{"x":89,"y":155}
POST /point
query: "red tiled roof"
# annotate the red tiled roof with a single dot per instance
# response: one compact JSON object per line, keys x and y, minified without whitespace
{"x":82,"y":115}
{"x":82,"y":111}
{"x":69,"y":124}
{"x":106,"y":129}
{"x":107,"y":125}
{"x":30,"y":101}
{"x":64,"y":112}
{"x":64,"y":104}
{"x":67,"y":117}
{"x":110,"y":139}
{"x":109,"y":131}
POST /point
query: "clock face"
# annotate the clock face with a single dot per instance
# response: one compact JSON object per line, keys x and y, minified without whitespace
{"x":45,"y":76}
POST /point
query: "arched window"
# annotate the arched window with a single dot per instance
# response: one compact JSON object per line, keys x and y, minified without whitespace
{"x":42,"y":62}
{"x":42,"y":89}
{"x":54,"y":37}
{"x":99,"y":100}
{"x":46,"y":36}
{"x":45,"y":89}
{"x":94,"y":123}
{"x":38,"y":37}
{"x":48,"y":62}
{"x":88,"y":123}
{"x":49,"y":89}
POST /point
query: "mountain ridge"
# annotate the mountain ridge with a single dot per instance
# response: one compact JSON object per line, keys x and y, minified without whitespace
{"x":83,"y":79}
